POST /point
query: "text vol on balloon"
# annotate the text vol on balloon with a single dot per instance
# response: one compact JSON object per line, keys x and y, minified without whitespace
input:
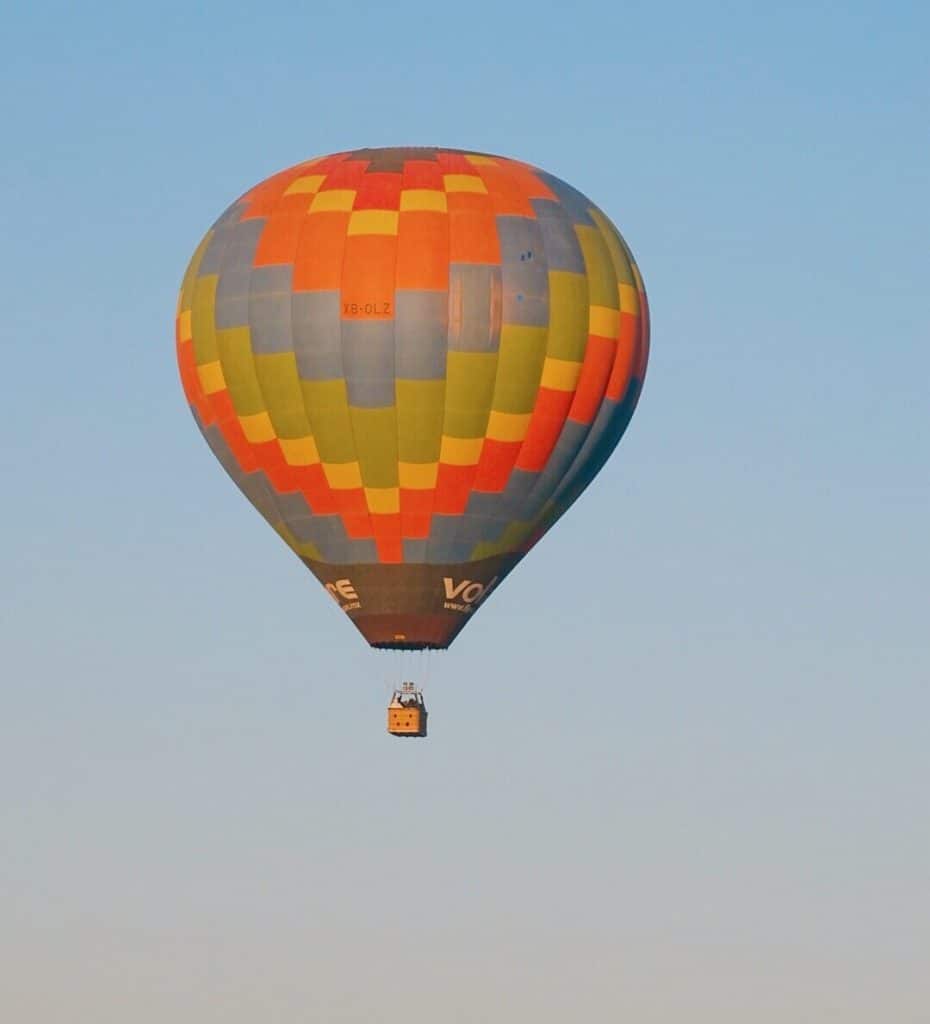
{"x":466,"y":595}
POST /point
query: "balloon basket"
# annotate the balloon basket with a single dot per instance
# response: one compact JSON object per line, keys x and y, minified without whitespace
{"x":407,"y":714}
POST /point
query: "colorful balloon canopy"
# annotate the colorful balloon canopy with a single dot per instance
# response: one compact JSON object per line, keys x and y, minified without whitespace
{"x":412,"y":362}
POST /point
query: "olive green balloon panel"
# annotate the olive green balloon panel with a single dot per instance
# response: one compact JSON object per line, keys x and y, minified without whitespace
{"x":412,"y":362}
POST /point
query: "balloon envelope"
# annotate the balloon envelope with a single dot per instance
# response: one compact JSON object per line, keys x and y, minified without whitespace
{"x":412,"y":362}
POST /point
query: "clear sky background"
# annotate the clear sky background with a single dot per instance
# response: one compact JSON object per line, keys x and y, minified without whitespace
{"x":686,"y":782}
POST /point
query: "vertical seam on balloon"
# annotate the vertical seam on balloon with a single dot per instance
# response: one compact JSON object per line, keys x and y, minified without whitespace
{"x":497,"y":327}
{"x":459,"y":519}
{"x":293,"y":337}
{"x":427,"y":559}
{"x":258,"y":469}
{"x":638,"y":283}
{"x":258,"y":378}
{"x":188,"y":282}
{"x":623,"y":412}
{"x":303,"y":399}
{"x":570,"y":227}
{"x":535,"y":493}
{"x":584,"y":463}
{"x":582,"y":451}
{"x":345,"y":380}
{"x":400,"y":518}
{"x":500,"y":330}
{"x":644,"y":324}
{"x":445,"y":376}
{"x":500,"y":495}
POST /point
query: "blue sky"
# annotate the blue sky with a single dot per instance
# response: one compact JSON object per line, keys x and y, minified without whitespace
{"x":687,"y":780}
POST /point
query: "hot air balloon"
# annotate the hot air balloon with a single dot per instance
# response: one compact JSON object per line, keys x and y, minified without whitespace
{"x":412,"y":361}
